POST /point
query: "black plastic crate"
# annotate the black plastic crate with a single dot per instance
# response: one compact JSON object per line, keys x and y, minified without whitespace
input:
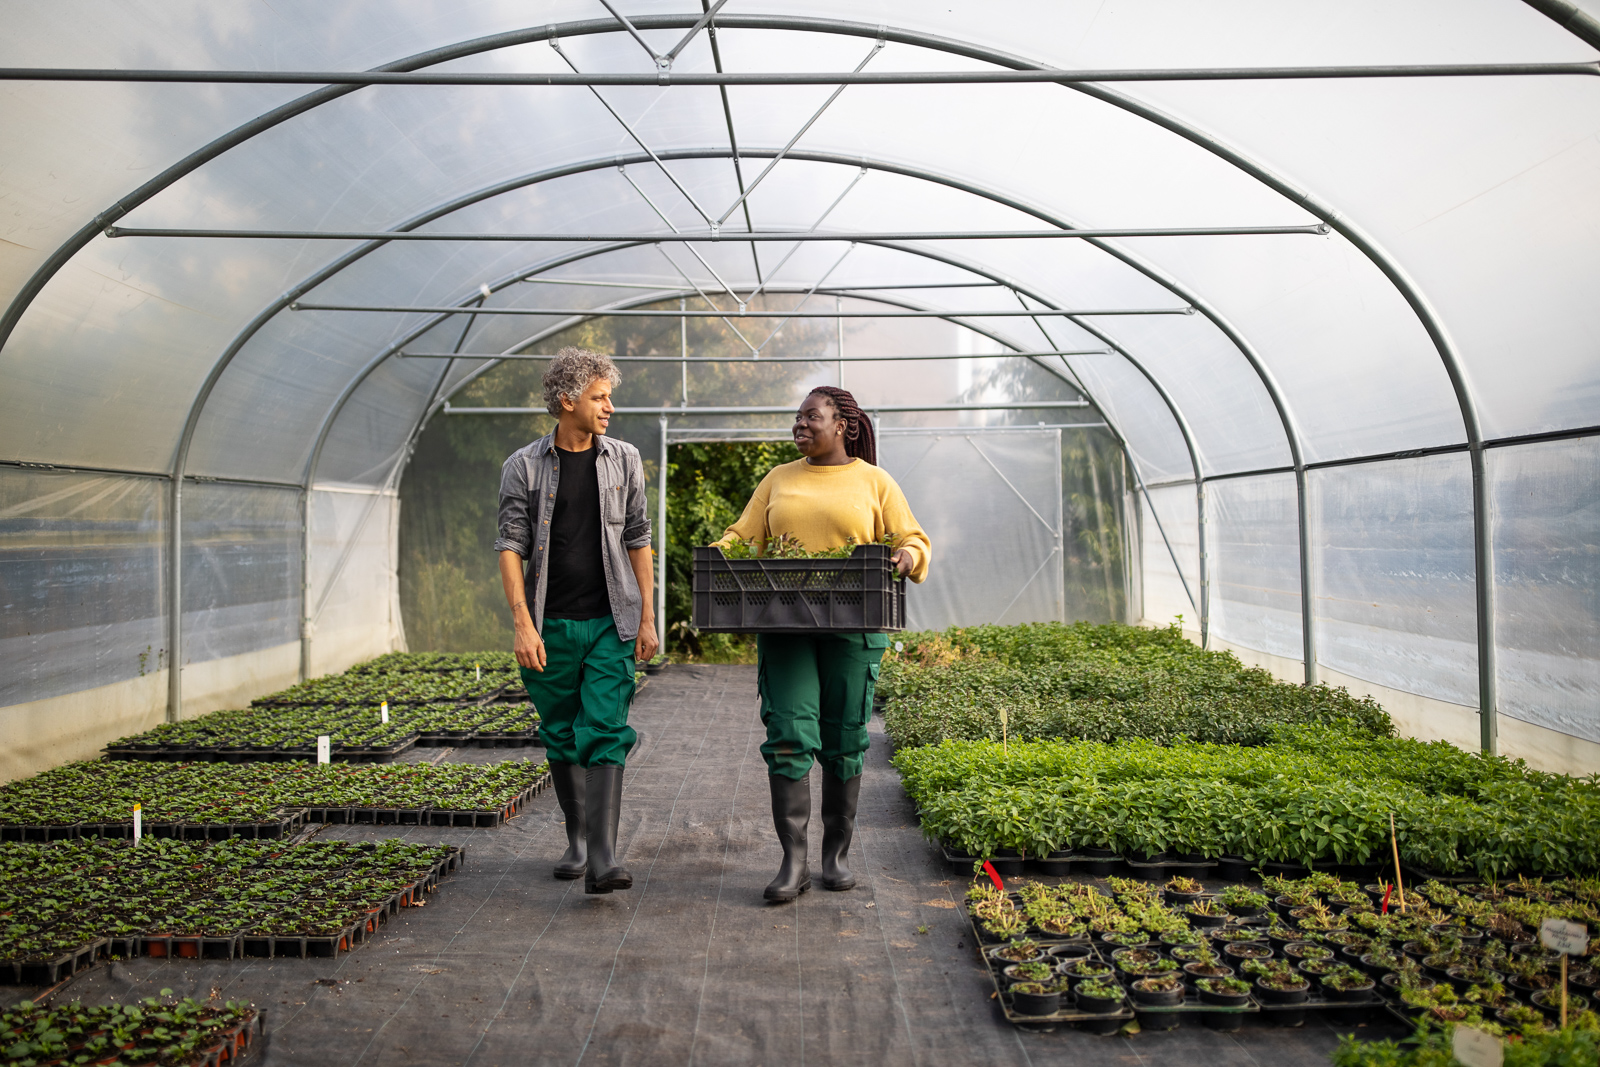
{"x":764,"y":596}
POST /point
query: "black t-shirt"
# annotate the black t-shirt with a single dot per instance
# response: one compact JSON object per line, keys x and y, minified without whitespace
{"x":576,"y":587}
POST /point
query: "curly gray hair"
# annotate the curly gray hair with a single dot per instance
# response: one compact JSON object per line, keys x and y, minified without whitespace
{"x":570,"y":373}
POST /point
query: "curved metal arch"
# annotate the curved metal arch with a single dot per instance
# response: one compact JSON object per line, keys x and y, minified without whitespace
{"x":1368,"y":246}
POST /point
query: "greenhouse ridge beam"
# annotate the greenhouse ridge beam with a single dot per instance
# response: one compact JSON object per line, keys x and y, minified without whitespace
{"x":788,"y":409}
{"x":673,"y":313}
{"x":1027,"y":76}
{"x":718,"y":237}
{"x":676,"y":360}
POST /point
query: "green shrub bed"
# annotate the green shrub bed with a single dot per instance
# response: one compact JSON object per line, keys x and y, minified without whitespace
{"x":152,"y":1030}
{"x":1576,"y":1046}
{"x":406,"y":662}
{"x":98,"y":796}
{"x":88,"y":897}
{"x":1315,"y":795}
{"x":1096,"y":683}
{"x":404,"y":686}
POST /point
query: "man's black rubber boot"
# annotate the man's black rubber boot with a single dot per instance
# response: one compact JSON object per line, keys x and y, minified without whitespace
{"x":791,"y":814}
{"x":602,"y":809}
{"x":839,"y":796}
{"x":570,"y":782}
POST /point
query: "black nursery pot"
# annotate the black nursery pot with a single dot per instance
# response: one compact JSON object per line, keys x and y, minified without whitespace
{"x":1269,"y":995}
{"x":1360,"y":992}
{"x":1178,"y":900}
{"x":1035,"y":1003}
{"x":1206,"y":922}
{"x":1222,"y":1000}
{"x":1156,"y":998}
{"x":1067,"y":953}
{"x":1097,"y":1005}
{"x":1549,"y":1002}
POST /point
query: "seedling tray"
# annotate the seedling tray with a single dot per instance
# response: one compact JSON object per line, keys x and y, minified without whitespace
{"x":859,"y":594}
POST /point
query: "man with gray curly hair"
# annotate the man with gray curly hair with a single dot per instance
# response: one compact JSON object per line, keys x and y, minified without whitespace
{"x":575,"y":560}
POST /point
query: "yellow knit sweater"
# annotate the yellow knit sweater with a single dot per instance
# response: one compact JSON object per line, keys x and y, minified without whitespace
{"x":824,"y":507}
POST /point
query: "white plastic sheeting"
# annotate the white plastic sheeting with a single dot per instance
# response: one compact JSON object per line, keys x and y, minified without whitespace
{"x":1455,"y":290}
{"x":998,"y":553}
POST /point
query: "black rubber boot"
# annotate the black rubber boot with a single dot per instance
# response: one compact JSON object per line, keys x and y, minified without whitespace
{"x":839,"y":796}
{"x":570,"y":782}
{"x":602,"y":809}
{"x":791,"y":814}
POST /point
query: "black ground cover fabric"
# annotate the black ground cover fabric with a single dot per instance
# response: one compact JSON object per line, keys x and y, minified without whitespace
{"x":506,"y":966}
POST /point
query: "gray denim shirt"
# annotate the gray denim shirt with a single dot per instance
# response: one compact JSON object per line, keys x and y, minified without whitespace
{"x":528,"y":499}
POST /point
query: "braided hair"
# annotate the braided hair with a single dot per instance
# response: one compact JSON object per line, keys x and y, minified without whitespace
{"x":859,"y":440}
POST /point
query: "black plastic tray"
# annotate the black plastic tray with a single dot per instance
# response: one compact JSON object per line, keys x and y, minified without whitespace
{"x":858,"y":594}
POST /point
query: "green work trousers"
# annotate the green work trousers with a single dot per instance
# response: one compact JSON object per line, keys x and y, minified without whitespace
{"x":584,"y":692}
{"x":816,"y":698}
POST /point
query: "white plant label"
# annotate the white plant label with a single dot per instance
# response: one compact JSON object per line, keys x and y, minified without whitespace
{"x":1569,"y":938}
{"x":323,"y":753}
{"x":477,"y":669}
{"x":138,"y":822}
{"x":899,"y":646}
{"x":383,"y":712}
{"x":1475,"y":1048}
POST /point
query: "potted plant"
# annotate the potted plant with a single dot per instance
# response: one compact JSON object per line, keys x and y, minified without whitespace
{"x":1035,"y":998}
{"x":1206,"y":913}
{"x":1346,"y":983}
{"x":1180,"y":890}
{"x":1018,"y":950}
{"x":1242,"y":900}
{"x":1159,"y":991}
{"x":1278,"y":983}
{"x":1223,"y":992}
{"x":1098,"y":997}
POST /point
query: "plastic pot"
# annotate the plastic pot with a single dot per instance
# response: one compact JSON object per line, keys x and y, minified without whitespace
{"x":1156,"y":997}
{"x":1270,"y":995}
{"x":1035,"y":1003}
{"x":1360,"y":992}
{"x":1221,"y":1000}
{"x":1097,"y":1005}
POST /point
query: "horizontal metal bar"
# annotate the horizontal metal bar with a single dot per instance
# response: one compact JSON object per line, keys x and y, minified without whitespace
{"x":1385,"y":457}
{"x":674,"y":313}
{"x":122,"y":472}
{"x":988,"y":405}
{"x":844,"y":290}
{"x":763,"y":433}
{"x":673,"y":361}
{"x":910,"y":77}
{"x":718,"y":236}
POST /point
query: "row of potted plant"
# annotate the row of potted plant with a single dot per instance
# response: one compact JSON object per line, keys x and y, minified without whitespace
{"x":1286,"y":940}
{"x":105,"y":791}
{"x":347,"y":727}
{"x":1433,"y":1046}
{"x":406,"y":662}
{"x":1103,"y":683}
{"x":61,"y":896}
{"x":152,"y":1030}
{"x":1315,"y":795}
{"x":399,"y":687}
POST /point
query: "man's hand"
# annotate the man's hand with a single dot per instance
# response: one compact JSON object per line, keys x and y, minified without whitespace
{"x":529,"y":647}
{"x":646,"y":645}
{"x":902,"y":562}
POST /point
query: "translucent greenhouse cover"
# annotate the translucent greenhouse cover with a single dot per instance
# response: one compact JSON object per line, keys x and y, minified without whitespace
{"x":1340,"y":392}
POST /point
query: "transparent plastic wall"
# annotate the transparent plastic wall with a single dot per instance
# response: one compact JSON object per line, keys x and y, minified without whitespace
{"x":1253,"y":547}
{"x":82,"y":581}
{"x":1547,"y":583}
{"x":990,"y":503}
{"x":1393,"y":582}
{"x":241,"y":569}
{"x":1170,"y":540}
{"x":354,"y":591}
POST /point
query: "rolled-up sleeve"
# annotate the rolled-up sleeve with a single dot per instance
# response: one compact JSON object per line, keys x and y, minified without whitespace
{"x":515,"y":526}
{"x":636,"y":532}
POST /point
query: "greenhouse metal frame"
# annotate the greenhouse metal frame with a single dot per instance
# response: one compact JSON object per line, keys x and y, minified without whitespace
{"x":260,"y":327}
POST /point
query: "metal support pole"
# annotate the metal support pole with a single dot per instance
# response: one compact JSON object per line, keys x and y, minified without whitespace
{"x":1308,"y":613}
{"x":683,"y":348}
{"x":175,"y":602}
{"x":1483,"y":558}
{"x":838,"y":306}
{"x":661,"y":540}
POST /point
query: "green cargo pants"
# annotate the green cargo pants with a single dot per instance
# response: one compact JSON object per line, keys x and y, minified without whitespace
{"x":584,"y":693}
{"x":816,"y":698}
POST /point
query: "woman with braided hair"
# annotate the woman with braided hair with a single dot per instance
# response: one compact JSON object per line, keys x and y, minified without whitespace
{"x":816,"y":688}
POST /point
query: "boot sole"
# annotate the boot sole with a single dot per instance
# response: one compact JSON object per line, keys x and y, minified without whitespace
{"x":606,"y":885}
{"x":839,"y":887}
{"x":783,"y":896}
{"x":568,"y":875}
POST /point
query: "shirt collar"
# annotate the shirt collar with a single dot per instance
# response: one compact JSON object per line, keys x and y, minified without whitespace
{"x":547,"y":444}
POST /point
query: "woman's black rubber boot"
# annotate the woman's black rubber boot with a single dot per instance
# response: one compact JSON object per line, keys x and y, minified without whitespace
{"x":571,"y":784}
{"x":839,"y":796}
{"x":791,"y":814}
{"x":602,"y":809}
